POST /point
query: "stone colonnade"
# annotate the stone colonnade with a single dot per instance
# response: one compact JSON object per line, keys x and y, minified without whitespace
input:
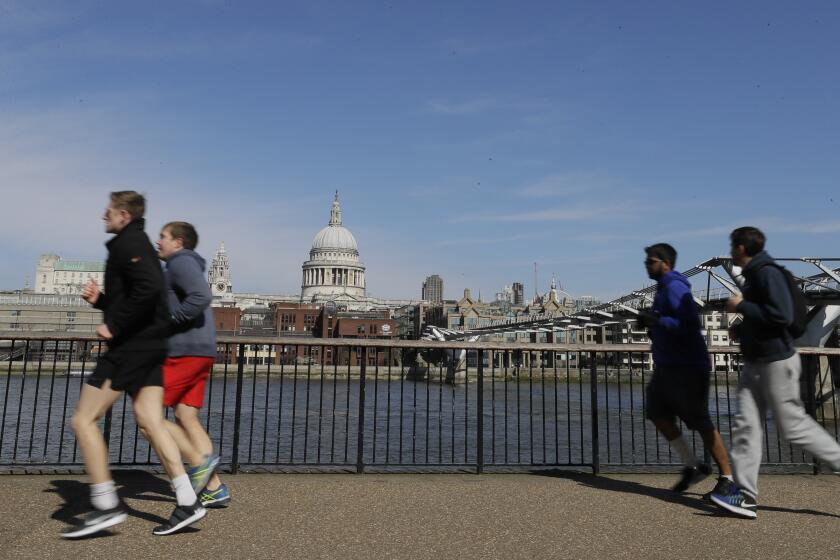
{"x":333,"y":276}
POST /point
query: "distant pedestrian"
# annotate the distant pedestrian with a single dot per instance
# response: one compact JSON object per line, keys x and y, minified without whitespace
{"x":679,"y":386}
{"x":770,"y":376}
{"x":136,"y":316}
{"x":192,"y":352}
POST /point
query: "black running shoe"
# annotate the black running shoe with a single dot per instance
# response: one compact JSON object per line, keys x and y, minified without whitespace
{"x":95,"y":521}
{"x":737,"y":501}
{"x":691,"y":476}
{"x":181,"y":517}
{"x":722,"y":488}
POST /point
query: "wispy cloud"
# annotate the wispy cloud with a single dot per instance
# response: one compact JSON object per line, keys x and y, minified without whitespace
{"x":136,"y":46}
{"x":16,"y":15}
{"x":603,"y":256}
{"x":767,"y":224}
{"x":465,"y":107}
{"x":578,"y":213}
{"x":566,"y":184}
{"x":57,"y":181}
{"x":457,"y":241}
{"x":472,"y":46}
{"x":606,"y":237}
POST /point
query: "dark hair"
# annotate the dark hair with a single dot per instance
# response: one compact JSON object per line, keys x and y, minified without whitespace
{"x":130,"y":201}
{"x":750,"y":237}
{"x":183,"y":231}
{"x":663,"y":252}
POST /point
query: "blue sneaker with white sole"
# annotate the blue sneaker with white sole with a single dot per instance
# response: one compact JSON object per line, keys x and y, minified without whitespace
{"x":731,"y":498}
{"x":200,"y":475}
{"x":218,"y":498}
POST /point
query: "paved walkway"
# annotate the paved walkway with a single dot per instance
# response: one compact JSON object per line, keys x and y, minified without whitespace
{"x":461,"y":516}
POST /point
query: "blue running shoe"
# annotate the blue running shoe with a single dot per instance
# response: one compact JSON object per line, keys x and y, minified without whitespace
{"x":200,"y":475}
{"x":218,"y":498}
{"x":735,"y":500}
{"x":720,"y":488}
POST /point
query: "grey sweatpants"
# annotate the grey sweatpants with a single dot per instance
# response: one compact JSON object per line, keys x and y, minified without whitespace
{"x":774,"y":386}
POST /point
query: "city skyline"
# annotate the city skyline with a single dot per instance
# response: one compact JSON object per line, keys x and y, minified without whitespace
{"x":470,"y":143}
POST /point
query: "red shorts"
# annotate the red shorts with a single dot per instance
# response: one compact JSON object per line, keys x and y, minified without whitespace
{"x":184,"y":378}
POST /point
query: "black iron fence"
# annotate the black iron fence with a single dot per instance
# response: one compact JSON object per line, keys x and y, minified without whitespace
{"x":344,"y":404}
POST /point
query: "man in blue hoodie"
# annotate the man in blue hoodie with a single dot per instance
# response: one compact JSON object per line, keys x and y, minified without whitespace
{"x":770,"y":378}
{"x":192,"y":352}
{"x":679,"y":386}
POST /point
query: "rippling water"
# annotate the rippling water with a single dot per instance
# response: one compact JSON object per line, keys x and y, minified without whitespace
{"x":300,"y":420}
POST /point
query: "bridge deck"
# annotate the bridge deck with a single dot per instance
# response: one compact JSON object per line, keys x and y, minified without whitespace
{"x":559,"y":515}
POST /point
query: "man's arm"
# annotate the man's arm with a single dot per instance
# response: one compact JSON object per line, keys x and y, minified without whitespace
{"x":685,"y":317}
{"x":188,"y":278}
{"x":777,"y":310}
{"x":92,"y":295}
{"x":145,"y":280}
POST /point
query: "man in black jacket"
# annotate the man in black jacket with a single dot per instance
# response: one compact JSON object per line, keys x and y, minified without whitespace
{"x":770,"y":378}
{"x":136,"y":325}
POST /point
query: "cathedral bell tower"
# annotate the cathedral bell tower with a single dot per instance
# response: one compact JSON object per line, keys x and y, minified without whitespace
{"x":219,"y":274}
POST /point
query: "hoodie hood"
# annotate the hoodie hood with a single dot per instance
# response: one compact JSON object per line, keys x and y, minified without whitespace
{"x":760,"y":259}
{"x":188,"y":253}
{"x":673,"y":276}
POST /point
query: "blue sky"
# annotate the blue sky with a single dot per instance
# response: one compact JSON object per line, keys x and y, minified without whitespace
{"x":467,"y":139}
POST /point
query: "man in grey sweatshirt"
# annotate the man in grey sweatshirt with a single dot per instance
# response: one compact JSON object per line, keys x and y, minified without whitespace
{"x":770,"y":378}
{"x":192,"y":352}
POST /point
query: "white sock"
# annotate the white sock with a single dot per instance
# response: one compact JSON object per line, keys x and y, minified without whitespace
{"x":104,"y":495}
{"x":680,"y":445}
{"x":184,"y":493}
{"x":728,"y":477}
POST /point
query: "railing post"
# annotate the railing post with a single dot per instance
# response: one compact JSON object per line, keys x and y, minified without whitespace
{"x":811,"y":365}
{"x":593,"y":400}
{"x":360,"y":437}
{"x":237,"y":413}
{"x":479,"y":431}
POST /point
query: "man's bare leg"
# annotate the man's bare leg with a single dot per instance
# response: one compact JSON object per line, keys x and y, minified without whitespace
{"x":148,"y":411}
{"x":191,"y":428}
{"x":182,"y":440}
{"x":93,"y":403}
{"x":107,"y":512}
{"x":714,"y":443}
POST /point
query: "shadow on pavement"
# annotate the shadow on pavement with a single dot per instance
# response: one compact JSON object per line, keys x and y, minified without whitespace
{"x":131,"y":484}
{"x":691,"y":499}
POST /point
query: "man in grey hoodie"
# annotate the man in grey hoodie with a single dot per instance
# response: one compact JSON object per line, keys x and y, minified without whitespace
{"x":192,"y":352}
{"x":770,"y":378}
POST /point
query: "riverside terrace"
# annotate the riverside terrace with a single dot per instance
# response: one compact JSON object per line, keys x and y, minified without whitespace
{"x":548,"y":514}
{"x":455,"y":409}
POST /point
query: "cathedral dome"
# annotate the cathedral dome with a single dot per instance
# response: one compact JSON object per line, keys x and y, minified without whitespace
{"x":335,"y":237}
{"x":333,"y":271}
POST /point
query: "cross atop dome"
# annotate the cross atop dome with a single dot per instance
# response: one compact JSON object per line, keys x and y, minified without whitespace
{"x":335,"y":212}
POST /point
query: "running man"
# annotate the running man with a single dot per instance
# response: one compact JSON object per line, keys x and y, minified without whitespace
{"x":192,"y":352}
{"x":770,"y":377}
{"x":136,"y":317}
{"x":679,"y":386}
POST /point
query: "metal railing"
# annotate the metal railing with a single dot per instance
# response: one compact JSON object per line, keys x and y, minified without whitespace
{"x":357,"y":404}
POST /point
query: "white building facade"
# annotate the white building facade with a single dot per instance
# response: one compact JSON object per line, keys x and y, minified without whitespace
{"x":55,"y":275}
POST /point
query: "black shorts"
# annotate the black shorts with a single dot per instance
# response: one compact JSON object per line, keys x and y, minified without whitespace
{"x":129,"y":371}
{"x":680,"y":392}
